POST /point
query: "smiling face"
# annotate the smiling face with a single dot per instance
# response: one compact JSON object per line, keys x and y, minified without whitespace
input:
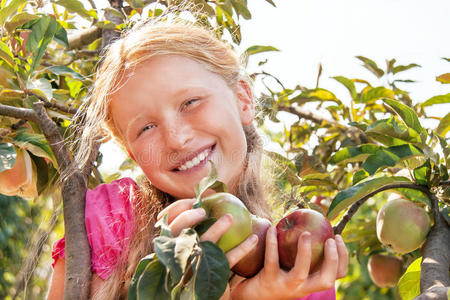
{"x":174,"y":115}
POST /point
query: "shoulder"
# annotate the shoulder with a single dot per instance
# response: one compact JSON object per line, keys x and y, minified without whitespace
{"x":109,"y":222}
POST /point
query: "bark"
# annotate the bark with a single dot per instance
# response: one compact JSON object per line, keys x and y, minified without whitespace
{"x":434,"y":277}
{"x":78,"y":258}
{"x":85,"y":37}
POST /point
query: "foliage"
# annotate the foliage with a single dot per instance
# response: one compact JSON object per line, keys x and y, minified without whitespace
{"x":349,"y":151}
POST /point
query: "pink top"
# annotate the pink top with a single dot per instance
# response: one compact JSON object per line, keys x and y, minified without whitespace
{"x":110,"y":225}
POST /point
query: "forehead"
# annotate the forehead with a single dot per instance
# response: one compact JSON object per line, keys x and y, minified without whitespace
{"x":165,"y":74}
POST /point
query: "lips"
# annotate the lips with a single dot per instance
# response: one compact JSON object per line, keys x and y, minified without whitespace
{"x":190,"y":156}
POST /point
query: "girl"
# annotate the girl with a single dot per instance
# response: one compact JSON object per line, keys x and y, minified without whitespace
{"x":174,"y":96}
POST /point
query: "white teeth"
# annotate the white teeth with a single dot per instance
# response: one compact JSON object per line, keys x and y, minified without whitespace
{"x":195,"y":161}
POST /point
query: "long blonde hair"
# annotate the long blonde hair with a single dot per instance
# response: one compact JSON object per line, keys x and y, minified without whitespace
{"x":161,"y":37}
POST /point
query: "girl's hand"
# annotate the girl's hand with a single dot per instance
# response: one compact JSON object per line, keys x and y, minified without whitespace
{"x":181,"y":215}
{"x":274,"y":283}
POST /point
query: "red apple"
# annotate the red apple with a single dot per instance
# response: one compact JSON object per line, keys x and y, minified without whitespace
{"x":254,"y":260}
{"x":292,"y":226}
{"x":385,"y":270}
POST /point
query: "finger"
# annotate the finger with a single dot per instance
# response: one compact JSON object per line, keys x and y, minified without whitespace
{"x":176,"y":208}
{"x":186,"y":219}
{"x":330,"y":265}
{"x":271,"y":264}
{"x":218,"y":229}
{"x":239,"y":252}
{"x":343,"y":257}
{"x":324,"y":279}
{"x":300,"y":271}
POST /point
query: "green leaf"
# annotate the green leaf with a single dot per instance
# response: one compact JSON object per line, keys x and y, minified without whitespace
{"x":444,"y":125}
{"x":61,"y":36}
{"x":399,"y":69}
{"x":204,"y":225}
{"x":259,"y":49}
{"x":240,"y":7}
{"x":407,"y":114}
{"x":422,"y":173}
{"x":151,"y":284}
{"x":358,"y":176}
{"x":440,"y":99}
{"x":371,"y":66}
{"x":349,"y":84}
{"x":208,"y":182}
{"x":163,"y":224}
{"x":409,"y":283}
{"x":389,"y":157}
{"x":354,"y":154}
{"x":6,"y":54}
{"x":372,"y":94}
{"x":18,"y":20}
{"x":8,"y":10}
{"x":313,"y":95}
{"x":7,"y":156}
{"x":66,"y":71}
{"x":444,"y":78}
{"x":42,"y":87}
{"x":42,"y":32}
{"x":391,"y":133}
{"x":349,"y":196}
{"x":175,"y":252}
{"x":137,"y":273}
{"x":212,"y":273}
{"x":36,"y":144}
{"x":414,"y":195}
{"x":76,"y":7}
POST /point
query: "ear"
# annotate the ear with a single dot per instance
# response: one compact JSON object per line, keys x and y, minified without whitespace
{"x":246,"y":104}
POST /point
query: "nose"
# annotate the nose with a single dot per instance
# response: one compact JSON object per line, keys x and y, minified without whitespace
{"x":178,"y":135}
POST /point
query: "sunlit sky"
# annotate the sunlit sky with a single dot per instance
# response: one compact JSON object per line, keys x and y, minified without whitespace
{"x":332,"y":32}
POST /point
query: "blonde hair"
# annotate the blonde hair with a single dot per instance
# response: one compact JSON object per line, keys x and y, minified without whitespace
{"x":161,"y":37}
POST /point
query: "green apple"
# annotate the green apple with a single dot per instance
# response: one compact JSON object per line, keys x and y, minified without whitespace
{"x":402,"y":225}
{"x":219,"y":204}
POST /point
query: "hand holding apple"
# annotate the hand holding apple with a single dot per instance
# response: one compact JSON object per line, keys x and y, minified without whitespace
{"x":292,"y":226}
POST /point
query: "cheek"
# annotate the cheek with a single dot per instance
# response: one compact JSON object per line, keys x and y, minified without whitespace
{"x":147,"y":155}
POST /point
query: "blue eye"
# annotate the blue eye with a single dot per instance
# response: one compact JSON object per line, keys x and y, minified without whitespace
{"x":190,"y":101}
{"x":147,"y":127}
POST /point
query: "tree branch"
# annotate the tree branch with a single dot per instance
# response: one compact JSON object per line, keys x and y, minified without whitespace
{"x":306,"y":115}
{"x":84,"y":37}
{"x":442,"y":183}
{"x":18,"y":113}
{"x":48,"y":104}
{"x":434,"y":277}
{"x":354,"y":207}
{"x":78,"y":258}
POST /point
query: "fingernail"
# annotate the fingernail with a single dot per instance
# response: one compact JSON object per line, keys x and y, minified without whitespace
{"x":253,"y":239}
{"x":229,"y":217}
{"x":200,"y":211}
{"x":331,"y":243}
{"x":306,"y":237}
{"x":339,"y":238}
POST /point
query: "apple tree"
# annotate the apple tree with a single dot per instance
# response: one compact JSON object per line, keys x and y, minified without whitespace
{"x":48,"y":53}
